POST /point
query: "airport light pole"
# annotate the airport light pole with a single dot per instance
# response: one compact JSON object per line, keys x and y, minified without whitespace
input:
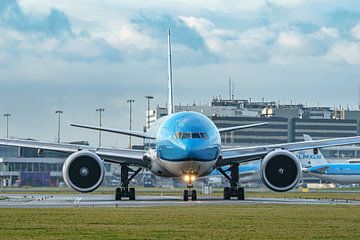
{"x":130,"y":101}
{"x":59,"y":112}
{"x":7,"y":115}
{"x":148,"y":111}
{"x":100,"y":110}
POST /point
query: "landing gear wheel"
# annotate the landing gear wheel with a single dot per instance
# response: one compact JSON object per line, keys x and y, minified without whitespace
{"x":186,"y":195}
{"x":132,"y":194}
{"x":124,"y":191}
{"x":241,"y":194}
{"x":227,"y":193}
{"x":118,"y":194}
{"x":193,"y":195}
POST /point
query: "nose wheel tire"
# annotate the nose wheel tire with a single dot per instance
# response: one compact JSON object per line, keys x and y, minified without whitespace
{"x":193,"y":195}
{"x":186,"y":195}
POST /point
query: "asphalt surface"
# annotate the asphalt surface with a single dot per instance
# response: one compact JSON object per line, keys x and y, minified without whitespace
{"x":99,"y":200}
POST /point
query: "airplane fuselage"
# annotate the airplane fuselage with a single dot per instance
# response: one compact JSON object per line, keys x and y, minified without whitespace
{"x":186,"y":143}
{"x":346,"y":173}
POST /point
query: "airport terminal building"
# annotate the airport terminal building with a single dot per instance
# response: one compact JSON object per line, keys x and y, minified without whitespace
{"x":287,"y":123}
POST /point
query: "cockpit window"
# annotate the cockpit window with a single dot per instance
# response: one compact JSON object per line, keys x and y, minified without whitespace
{"x":204,"y":135}
{"x":184,"y":135}
{"x":196,"y":135}
{"x":178,"y":134}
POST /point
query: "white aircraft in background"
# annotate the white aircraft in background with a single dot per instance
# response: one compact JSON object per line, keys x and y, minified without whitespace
{"x":183,"y":145}
{"x":344,"y":173}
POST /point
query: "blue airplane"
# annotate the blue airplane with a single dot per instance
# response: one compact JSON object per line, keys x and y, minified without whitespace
{"x":343,"y":173}
{"x":184,"y":145}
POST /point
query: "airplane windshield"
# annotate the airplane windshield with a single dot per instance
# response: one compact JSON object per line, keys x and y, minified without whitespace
{"x":196,"y":135}
{"x":184,"y":135}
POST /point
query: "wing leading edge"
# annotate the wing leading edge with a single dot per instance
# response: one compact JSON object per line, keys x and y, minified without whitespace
{"x":128,"y":156}
{"x":113,"y":130}
{"x":238,"y":155}
{"x":229,"y":129}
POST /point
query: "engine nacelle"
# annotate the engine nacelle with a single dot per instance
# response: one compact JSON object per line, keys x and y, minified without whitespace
{"x":280,"y":170}
{"x":83,"y":171}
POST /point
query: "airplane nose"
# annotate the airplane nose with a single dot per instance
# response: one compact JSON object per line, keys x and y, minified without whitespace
{"x":189,"y":150}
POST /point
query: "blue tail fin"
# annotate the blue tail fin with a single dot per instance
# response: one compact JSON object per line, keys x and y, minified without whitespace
{"x":308,"y":158}
{"x":170,"y":82}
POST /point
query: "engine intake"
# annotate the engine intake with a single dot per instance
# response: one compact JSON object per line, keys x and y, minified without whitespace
{"x":83,"y":171}
{"x":280,"y":170}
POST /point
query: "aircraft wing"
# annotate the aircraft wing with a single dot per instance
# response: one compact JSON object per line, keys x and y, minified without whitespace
{"x":316,"y":169}
{"x":129,"y":156}
{"x":246,"y":154}
{"x":230,"y":129}
{"x":113,"y":130}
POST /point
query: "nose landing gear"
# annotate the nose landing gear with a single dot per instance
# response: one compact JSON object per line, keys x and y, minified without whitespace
{"x":190,"y":192}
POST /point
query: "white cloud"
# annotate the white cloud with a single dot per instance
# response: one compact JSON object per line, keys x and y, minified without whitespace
{"x":206,"y":28}
{"x":327,"y":33}
{"x":229,"y":44}
{"x":349,"y":52}
{"x":125,"y":36}
{"x":10,"y":38}
{"x":291,"y":40}
{"x":212,"y":35}
{"x":263,"y":34}
{"x":356,"y":31}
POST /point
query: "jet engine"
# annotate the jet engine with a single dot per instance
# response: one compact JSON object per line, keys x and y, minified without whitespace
{"x":280,"y":170}
{"x":83,"y":171}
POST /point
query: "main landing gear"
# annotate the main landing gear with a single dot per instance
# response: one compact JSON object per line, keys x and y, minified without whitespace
{"x":190,"y":192}
{"x":124,"y":191}
{"x":234,"y":190}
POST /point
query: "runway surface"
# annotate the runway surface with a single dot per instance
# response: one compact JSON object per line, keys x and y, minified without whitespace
{"x":100,"y":200}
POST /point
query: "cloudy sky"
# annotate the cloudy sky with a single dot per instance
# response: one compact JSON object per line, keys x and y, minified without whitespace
{"x":81,"y":55}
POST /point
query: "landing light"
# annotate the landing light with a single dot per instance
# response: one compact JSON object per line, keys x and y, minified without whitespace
{"x":188,"y":178}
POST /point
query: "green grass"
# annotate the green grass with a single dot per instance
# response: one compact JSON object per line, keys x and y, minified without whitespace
{"x":308,"y":195}
{"x":187,"y":222}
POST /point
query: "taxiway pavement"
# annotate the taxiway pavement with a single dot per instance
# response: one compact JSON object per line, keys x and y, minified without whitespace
{"x":101,"y":200}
